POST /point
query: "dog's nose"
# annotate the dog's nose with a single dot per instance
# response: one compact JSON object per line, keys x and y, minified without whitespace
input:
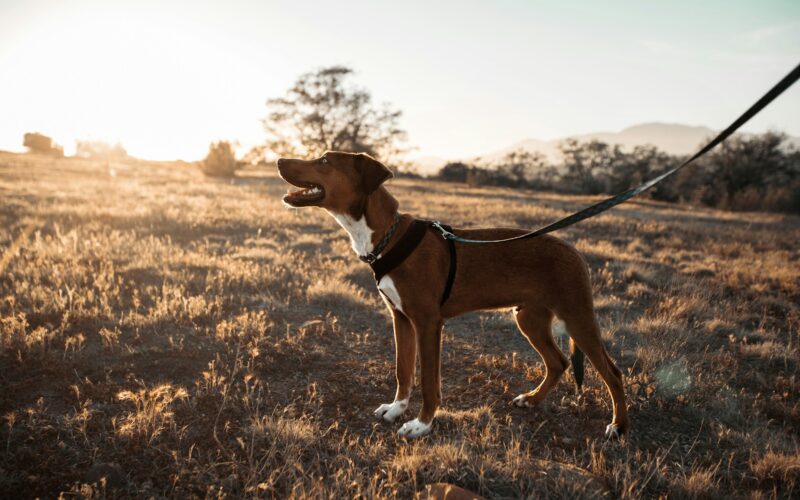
{"x":279,"y":162}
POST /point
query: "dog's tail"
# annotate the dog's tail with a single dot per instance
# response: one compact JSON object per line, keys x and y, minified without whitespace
{"x":576,"y":358}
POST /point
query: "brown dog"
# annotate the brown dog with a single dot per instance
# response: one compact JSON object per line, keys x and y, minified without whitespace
{"x":540,"y":277}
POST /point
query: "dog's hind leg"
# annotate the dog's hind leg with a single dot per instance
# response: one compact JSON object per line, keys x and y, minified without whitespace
{"x":535,"y":322}
{"x":405,"y":359}
{"x":585,"y":332}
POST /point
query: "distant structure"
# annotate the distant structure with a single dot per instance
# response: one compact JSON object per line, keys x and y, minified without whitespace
{"x":41,"y":144}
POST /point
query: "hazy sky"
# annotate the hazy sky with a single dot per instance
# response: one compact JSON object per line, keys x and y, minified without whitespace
{"x":166,"y":78}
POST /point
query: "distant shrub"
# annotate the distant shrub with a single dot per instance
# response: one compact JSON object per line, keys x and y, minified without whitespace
{"x":220,"y":160}
{"x":454,"y":172}
{"x":525,"y":169}
{"x":587,"y":165}
{"x":784,"y":199}
{"x":100,"y":150}
{"x":519,"y":169}
{"x":759,"y":172}
{"x":40,"y":143}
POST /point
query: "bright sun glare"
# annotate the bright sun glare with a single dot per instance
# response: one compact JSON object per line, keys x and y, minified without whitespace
{"x":119,"y":72}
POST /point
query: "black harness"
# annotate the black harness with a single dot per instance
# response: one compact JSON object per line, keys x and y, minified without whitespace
{"x":406,"y":245}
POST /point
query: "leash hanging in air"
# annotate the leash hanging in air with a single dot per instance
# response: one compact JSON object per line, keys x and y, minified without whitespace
{"x":615,"y":200}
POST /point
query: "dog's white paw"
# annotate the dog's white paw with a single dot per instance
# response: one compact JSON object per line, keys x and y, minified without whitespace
{"x":390,"y":412}
{"x":414,"y":428}
{"x":613,"y":431}
{"x":523,"y":401}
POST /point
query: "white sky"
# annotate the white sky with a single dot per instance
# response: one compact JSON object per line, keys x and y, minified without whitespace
{"x":167,"y":78}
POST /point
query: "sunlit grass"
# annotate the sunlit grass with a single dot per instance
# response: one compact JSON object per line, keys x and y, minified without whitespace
{"x":190,"y":337}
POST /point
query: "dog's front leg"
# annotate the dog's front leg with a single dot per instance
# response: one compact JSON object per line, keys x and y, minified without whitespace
{"x":429,"y":342}
{"x":405,"y":359}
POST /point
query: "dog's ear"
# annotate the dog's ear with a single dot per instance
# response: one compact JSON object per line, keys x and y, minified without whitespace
{"x":373,"y":173}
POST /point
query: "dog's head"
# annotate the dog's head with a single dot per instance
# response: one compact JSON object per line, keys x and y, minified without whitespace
{"x":339,"y":182}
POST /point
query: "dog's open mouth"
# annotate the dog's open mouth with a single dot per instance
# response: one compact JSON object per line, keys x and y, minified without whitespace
{"x":310,"y":194}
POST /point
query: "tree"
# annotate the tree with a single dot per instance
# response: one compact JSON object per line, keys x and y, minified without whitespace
{"x":220,"y":160}
{"x":747,"y":169}
{"x":525,"y":169}
{"x":743,"y":162}
{"x":588,"y":165}
{"x":638,"y":166}
{"x":322,"y":111}
{"x":40,"y":143}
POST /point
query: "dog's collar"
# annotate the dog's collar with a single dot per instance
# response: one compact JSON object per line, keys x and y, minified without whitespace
{"x":372,"y":256}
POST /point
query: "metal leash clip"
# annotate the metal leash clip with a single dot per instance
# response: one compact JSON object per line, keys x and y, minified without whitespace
{"x":445,"y":233}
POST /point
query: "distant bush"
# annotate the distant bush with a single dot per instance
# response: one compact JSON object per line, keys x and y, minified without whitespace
{"x":744,"y":173}
{"x":454,"y":172}
{"x":40,"y":143}
{"x":220,"y":160}
{"x":588,"y":165}
{"x":100,"y":150}
{"x":516,"y":169}
{"x":523,"y":168}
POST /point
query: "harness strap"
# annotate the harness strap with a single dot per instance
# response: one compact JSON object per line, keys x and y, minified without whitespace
{"x":409,"y":242}
{"x":401,"y":250}
{"x":451,"y":273}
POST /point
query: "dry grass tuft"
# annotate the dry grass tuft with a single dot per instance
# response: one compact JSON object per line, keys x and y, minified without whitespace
{"x":699,"y":482}
{"x":151,"y":414}
{"x":778,"y":470}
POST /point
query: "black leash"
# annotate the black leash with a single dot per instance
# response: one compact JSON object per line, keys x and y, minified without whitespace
{"x":604,"y":205}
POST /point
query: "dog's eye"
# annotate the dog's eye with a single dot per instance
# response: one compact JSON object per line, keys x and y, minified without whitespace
{"x":323,"y":160}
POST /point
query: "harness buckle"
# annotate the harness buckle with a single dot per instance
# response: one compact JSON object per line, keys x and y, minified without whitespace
{"x":370,"y":258}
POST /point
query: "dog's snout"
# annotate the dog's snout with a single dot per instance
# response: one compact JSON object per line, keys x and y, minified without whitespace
{"x":280,"y":162}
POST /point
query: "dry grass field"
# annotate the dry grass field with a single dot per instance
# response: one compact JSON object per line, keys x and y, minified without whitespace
{"x":163,"y":334}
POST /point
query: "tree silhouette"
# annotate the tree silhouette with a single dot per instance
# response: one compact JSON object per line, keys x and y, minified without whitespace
{"x":589,"y":164}
{"x":523,"y":168}
{"x":322,"y":111}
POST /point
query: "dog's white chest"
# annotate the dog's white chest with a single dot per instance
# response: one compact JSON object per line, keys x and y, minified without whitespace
{"x":390,"y":293}
{"x":360,"y":233}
